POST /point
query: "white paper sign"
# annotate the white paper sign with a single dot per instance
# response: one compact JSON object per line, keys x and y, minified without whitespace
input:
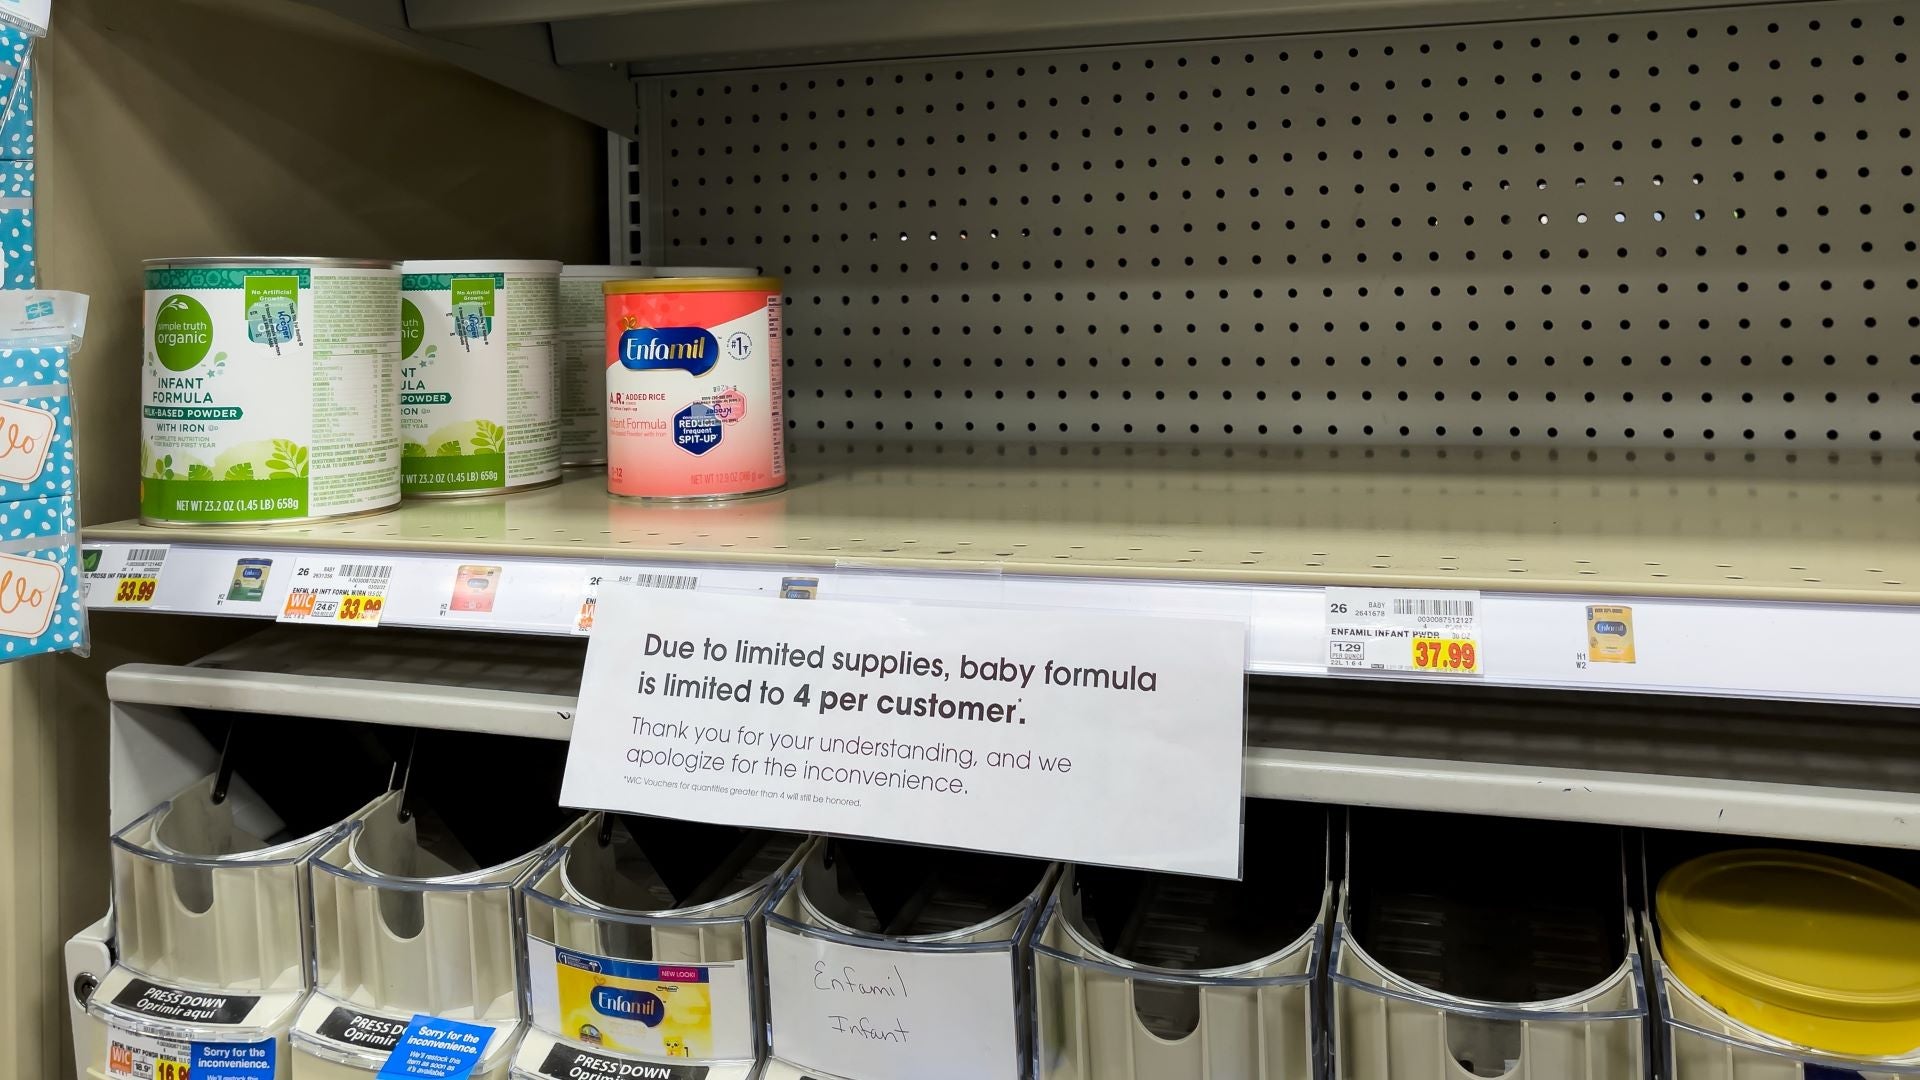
{"x":1429,"y":631}
{"x":1112,"y":739}
{"x":879,"y":1014}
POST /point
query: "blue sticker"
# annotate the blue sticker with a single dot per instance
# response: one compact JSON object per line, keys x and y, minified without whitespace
{"x":696,"y":428}
{"x":232,"y":1061}
{"x":1821,"y":1072}
{"x":436,"y":1049}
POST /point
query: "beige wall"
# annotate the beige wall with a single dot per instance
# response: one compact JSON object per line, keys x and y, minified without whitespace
{"x":202,"y":127}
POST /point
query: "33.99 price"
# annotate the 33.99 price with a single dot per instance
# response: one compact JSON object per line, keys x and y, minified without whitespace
{"x":1451,"y":655}
{"x":356,"y":608}
{"x":134,"y":590}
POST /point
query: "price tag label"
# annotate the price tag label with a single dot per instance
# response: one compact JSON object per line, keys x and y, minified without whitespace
{"x":121,"y":576}
{"x":590,"y":589}
{"x":337,"y":592}
{"x":133,"y":1055}
{"x":1429,"y":631}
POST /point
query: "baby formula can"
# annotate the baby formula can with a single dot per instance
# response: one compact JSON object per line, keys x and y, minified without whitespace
{"x":583,"y":351}
{"x":694,"y":397}
{"x":479,"y":378}
{"x":583,"y":360}
{"x":268,"y":390}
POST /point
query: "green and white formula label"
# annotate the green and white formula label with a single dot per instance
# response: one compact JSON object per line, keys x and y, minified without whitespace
{"x":479,"y":377}
{"x":583,"y":360}
{"x":267,"y":390}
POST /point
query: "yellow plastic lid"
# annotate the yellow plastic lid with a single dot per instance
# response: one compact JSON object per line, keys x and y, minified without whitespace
{"x":1799,"y":931}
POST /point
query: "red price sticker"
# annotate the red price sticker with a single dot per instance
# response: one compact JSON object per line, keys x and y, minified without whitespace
{"x":1458,"y":656}
{"x":134,"y":590}
{"x":358,"y":608}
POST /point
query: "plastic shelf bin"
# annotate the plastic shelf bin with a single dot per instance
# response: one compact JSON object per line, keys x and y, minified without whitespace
{"x":1703,"y":1043}
{"x":211,"y":908}
{"x":1445,"y":970}
{"x":414,"y":914}
{"x":868,"y":941}
{"x":1140,"y":976}
{"x":643,"y":946}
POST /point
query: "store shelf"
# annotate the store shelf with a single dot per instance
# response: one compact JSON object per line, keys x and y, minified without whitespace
{"x":1811,"y":773}
{"x":648,"y":36}
{"x":416,"y":680}
{"x":1763,"y":574}
{"x":1801,"y":772}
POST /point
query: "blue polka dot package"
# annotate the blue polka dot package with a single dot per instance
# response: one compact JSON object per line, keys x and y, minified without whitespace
{"x":41,"y":607}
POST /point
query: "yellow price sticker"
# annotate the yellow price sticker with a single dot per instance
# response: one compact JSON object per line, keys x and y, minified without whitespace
{"x":1453,"y":656}
{"x":359,"y":607}
{"x":134,"y":590}
{"x":164,"y":1069}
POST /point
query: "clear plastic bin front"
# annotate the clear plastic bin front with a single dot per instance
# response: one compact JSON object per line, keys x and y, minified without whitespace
{"x":860,"y":924}
{"x":1704,"y":1043}
{"x":1485,"y":947}
{"x":408,"y":920}
{"x":200,"y":901}
{"x":642,"y":939}
{"x":1139,"y":976}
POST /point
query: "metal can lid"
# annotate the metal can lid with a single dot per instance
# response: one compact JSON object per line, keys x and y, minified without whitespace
{"x":701,"y":271}
{"x":269,"y":262}
{"x":596,"y":272}
{"x":691,"y":284}
{"x":480,"y":266}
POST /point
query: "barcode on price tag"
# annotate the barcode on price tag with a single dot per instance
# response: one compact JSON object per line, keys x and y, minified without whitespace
{"x":590,"y":589}
{"x":122,"y":576}
{"x":133,"y":1055}
{"x":1429,"y":631}
{"x":338,"y":593}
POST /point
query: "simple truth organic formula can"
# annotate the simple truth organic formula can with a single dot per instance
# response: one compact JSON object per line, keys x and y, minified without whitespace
{"x":583,"y":360}
{"x":268,"y":390}
{"x":694,"y":407}
{"x":479,"y":378}
{"x":583,"y":350}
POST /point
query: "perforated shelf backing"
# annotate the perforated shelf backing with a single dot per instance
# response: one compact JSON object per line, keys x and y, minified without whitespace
{"x":1689,"y":229}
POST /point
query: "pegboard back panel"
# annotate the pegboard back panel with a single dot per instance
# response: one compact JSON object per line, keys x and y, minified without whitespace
{"x":1692,"y":228}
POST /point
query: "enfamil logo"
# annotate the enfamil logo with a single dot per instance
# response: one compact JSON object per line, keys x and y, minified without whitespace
{"x":683,"y":348}
{"x":629,"y":1005}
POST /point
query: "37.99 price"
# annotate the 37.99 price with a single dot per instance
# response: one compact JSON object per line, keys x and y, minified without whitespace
{"x":1450,"y":655}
